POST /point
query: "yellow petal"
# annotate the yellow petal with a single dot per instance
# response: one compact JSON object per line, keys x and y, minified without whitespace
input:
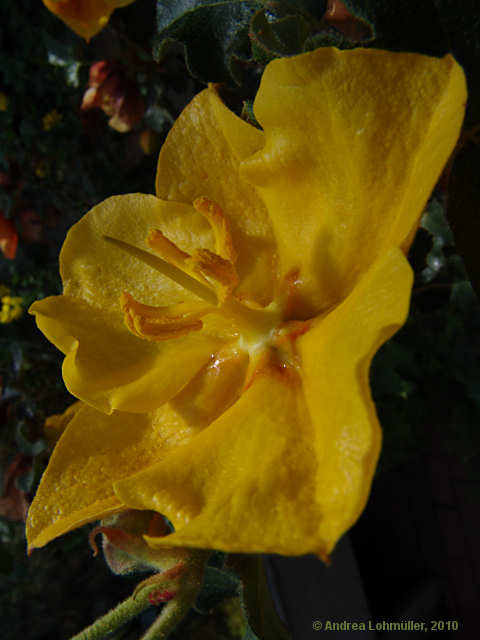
{"x":336,"y":355}
{"x":85,"y":17}
{"x":108,"y":367}
{"x":201,"y":157}
{"x":354,"y":143}
{"x":95,"y":451}
{"x":56,"y":424}
{"x":266,"y":476}
{"x":246,"y":483}
{"x":99,"y":271}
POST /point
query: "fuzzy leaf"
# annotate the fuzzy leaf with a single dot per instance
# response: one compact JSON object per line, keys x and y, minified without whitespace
{"x":217,"y":585}
{"x":214,"y":35}
{"x":262,"y":614}
{"x":275,"y":37}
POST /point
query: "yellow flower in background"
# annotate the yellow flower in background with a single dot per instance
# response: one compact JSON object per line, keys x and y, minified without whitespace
{"x":3,"y":101}
{"x":41,"y":168}
{"x":85,"y":17}
{"x":220,"y":334}
{"x":51,"y":119}
{"x":11,"y":306}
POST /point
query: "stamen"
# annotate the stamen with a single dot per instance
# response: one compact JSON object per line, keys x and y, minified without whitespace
{"x":169,"y":270}
{"x":220,"y":226}
{"x":219,"y":272}
{"x":170,"y":252}
{"x":211,"y":268}
{"x":167,"y":249}
{"x":162,"y":323}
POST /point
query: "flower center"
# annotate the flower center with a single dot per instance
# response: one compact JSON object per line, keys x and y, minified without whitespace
{"x":213,"y":278}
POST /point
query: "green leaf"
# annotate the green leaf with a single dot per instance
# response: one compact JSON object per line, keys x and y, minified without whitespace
{"x":24,"y":444}
{"x":262,"y":615}
{"x":273,"y":37}
{"x":249,"y":635}
{"x":218,"y":584}
{"x":64,"y":55}
{"x":214,"y":35}
{"x":248,"y":114}
{"x":158,"y":118}
{"x":25,"y":481}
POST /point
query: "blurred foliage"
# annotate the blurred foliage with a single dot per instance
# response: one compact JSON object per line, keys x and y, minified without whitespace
{"x":426,"y":379}
{"x":57,"y":160}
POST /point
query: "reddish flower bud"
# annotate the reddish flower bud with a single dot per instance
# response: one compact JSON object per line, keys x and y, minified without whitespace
{"x":110,"y":90}
{"x":340,"y":17}
{"x":99,"y":72}
{"x":8,"y":237}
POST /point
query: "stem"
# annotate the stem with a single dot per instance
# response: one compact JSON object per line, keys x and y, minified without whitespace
{"x":176,"y":610}
{"x":115,"y":618}
{"x":172,"y":614}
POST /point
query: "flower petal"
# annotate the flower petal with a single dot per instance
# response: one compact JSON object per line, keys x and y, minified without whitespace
{"x":85,"y":17}
{"x":267,"y":477}
{"x":246,"y":483}
{"x":336,"y":355}
{"x":201,"y":157}
{"x":56,"y":424}
{"x":98,"y":271}
{"x":108,"y":367}
{"x":94,"y":451}
{"x":354,"y":143}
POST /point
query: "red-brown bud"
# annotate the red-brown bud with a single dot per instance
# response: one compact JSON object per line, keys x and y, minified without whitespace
{"x":8,"y":237}
{"x":110,"y":90}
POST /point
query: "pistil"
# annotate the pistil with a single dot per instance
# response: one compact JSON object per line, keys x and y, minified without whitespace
{"x":203,"y":291}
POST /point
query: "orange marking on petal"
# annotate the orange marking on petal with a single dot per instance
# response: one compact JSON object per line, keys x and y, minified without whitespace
{"x":295,"y":304}
{"x":273,"y":364}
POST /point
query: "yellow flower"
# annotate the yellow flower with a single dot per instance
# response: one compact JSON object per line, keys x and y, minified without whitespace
{"x":12,"y":306}
{"x":51,"y":119}
{"x":3,"y":101}
{"x":41,"y":168}
{"x":85,"y":17}
{"x":220,"y":334}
